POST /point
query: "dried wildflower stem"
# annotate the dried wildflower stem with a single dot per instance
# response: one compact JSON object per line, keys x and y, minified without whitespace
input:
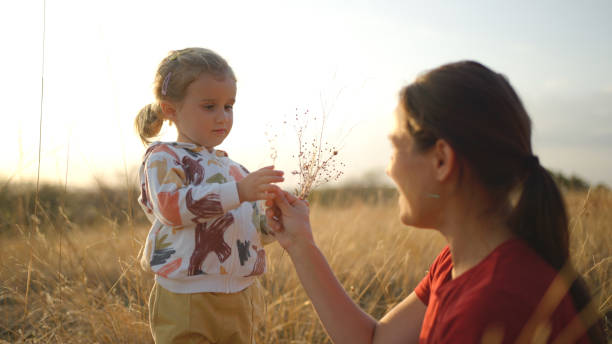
{"x":316,"y":159}
{"x":271,"y":137}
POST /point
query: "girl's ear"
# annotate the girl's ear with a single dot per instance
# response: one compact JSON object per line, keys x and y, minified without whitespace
{"x":169,"y":110}
{"x":444,"y":160}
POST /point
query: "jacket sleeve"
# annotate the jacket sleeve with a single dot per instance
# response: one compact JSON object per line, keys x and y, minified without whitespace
{"x":177,"y":198}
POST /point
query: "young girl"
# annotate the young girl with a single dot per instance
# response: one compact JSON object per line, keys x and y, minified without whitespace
{"x":204,"y":245}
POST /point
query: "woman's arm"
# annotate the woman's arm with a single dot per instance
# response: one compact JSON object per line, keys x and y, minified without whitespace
{"x":344,"y":321}
{"x":403,"y":323}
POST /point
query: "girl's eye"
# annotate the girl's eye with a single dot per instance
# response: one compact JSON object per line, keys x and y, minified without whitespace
{"x":229,"y":107}
{"x":209,"y":106}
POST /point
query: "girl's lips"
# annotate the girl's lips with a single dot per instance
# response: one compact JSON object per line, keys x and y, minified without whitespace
{"x":219,"y":131}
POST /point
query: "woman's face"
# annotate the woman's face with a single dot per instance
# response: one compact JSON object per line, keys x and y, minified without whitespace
{"x":412,"y":171}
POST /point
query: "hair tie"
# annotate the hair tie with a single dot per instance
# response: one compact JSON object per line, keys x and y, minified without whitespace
{"x":532,"y":162}
{"x":164,"y":89}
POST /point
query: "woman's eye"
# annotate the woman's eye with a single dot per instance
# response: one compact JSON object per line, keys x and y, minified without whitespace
{"x":229,"y":107}
{"x":209,"y":107}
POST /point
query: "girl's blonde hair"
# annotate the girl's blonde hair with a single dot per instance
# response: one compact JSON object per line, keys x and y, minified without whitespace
{"x":174,"y":74}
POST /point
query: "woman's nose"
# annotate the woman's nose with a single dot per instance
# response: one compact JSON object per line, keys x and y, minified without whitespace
{"x":389,"y":166}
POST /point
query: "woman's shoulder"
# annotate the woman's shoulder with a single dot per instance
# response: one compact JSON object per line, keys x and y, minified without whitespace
{"x":441,"y":266}
{"x":517,"y":283}
{"x":513,"y":277}
{"x":517,"y":268}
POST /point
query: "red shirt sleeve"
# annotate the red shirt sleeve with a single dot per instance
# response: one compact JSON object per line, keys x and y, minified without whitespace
{"x":423,"y":289}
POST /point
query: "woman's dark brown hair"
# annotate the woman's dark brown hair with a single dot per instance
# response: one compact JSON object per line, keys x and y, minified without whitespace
{"x":478,"y":113}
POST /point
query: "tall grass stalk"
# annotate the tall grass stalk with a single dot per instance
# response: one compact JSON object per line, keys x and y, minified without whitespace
{"x":101,"y":295}
{"x":42,"y":97}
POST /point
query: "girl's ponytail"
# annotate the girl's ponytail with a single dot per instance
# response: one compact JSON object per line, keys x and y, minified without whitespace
{"x":148,"y":122}
{"x":540,"y":218}
{"x":174,"y":74}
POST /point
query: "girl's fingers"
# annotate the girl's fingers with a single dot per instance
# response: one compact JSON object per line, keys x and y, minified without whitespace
{"x":269,"y":170}
{"x":270,"y":179}
{"x":266,"y":188}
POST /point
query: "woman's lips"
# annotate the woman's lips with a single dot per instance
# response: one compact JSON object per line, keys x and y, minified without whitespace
{"x":220,"y":131}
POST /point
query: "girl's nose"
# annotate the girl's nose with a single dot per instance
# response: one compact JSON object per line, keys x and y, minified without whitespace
{"x":221,"y":116}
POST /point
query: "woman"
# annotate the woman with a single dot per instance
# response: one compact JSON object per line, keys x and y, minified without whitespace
{"x":463,"y":164}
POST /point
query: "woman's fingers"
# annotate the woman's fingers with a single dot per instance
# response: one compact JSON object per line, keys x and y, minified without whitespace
{"x":273,"y":219}
{"x":282,"y":202}
{"x":290,"y":197}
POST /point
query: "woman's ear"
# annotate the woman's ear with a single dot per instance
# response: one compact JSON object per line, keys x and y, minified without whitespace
{"x":444,"y":160}
{"x":169,"y":111}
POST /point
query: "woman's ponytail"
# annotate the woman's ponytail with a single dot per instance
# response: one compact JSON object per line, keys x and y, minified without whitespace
{"x":540,"y":219}
{"x":149,"y":122}
{"x":478,"y":112}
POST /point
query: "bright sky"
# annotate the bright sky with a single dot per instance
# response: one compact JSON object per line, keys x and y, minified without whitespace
{"x":352,"y":57}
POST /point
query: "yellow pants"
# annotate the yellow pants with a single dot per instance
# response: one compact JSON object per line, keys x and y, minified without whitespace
{"x":205,"y":317}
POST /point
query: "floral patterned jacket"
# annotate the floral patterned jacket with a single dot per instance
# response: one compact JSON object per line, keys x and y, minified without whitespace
{"x":202,"y":239}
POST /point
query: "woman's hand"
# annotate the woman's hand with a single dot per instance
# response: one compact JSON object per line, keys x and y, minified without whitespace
{"x":288,"y":216}
{"x":257,"y":185}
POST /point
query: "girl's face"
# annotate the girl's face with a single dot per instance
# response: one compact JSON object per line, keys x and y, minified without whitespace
{"x":412,"y":171}
{"x":205,"y":116}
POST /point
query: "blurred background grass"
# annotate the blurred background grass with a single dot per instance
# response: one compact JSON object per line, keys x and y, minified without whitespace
{"x":70,"y":273}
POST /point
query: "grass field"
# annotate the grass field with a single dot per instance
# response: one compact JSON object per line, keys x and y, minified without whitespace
{"x":72,"y":283}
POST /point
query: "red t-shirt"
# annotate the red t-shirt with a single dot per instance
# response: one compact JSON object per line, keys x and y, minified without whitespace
{"x":495,"y":298}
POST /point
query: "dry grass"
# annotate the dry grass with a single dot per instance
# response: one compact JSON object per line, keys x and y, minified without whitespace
{"x":95,"y":292}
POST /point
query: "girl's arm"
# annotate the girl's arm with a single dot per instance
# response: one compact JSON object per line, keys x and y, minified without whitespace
{"x":177,"y":196}
{"x":344,"y":321}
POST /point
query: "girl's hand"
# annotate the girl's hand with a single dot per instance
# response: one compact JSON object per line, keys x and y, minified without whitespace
{"x":258,"y":185}
{"x":288,"y":216}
